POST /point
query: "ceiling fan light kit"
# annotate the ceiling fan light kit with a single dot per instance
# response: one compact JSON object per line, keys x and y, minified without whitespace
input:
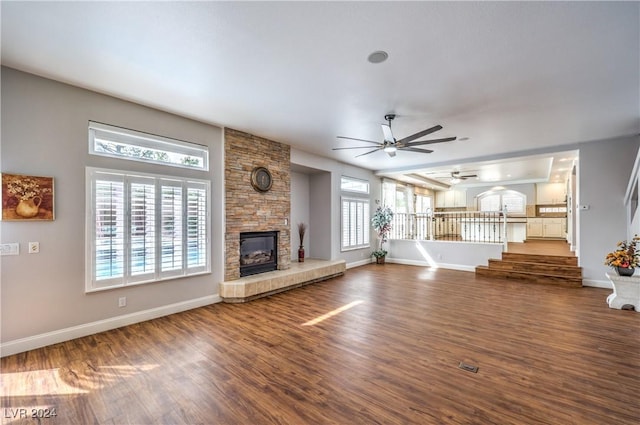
{"x":390,"y":145}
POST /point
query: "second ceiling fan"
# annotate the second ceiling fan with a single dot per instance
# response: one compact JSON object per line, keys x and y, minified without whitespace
{"x":390,"y":145}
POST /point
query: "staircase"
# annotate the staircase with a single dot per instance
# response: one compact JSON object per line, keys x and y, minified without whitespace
{"x":535,"y":268}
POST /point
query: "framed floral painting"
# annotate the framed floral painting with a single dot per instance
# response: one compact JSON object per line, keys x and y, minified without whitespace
{"x":27,"y":197}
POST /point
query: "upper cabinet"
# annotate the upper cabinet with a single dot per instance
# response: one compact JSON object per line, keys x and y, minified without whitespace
{"x":451,"y":199}
{"x":550,"y":193}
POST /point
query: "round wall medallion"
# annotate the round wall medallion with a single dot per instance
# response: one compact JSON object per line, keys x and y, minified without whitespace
{"x":261,"y":179}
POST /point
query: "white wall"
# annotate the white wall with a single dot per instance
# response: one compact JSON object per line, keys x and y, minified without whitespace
{"x":604,"y":170}
{"x":449,"y":255}
{"x":44,"y":133}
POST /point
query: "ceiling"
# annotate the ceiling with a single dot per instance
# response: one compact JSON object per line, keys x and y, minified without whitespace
{"x":515,"y":78}
{"x":553,"y":168}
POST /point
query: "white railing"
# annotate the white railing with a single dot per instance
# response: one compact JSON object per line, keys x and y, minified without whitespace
{"x":467,"y":226}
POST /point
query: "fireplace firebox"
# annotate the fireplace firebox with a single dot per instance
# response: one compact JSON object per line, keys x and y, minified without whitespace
{"x":258,"y":252}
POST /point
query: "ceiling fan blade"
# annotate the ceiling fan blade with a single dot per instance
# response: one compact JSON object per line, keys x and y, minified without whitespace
{"x":353,"y":147}
{"x":429,"y":142}
{"x":360,"y":140}
{"x":388,"y":135}
{"x":417,"y":150}
{"x":367,"y":153}
{"x":468,"y":176}
{"x":420,"y":134}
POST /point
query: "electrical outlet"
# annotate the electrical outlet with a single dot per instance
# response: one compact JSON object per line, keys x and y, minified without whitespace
{"x":122,"y":302}
{"x":34,"y":247}
{"x":10,"y":249}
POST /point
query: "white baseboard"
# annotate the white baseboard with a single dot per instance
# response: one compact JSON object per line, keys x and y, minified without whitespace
{"x":597,"y":283}
{"x":438,"y":265}
{"x":359,"y":263}
{"x":61,"y":335}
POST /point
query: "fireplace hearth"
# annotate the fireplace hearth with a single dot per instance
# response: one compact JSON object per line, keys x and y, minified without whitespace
{"x":258,"y":252}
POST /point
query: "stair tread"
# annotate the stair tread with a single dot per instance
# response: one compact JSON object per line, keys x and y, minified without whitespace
{"x":531,"y":262}
{"x":518,"y":254}
{"x":528,"y":273}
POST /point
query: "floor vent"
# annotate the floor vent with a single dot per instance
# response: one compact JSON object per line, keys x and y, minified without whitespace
{"x":468,"y":367}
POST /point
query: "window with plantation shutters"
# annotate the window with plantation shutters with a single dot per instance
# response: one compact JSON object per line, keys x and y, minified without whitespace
{"x":355,"y":223}
{"x":512,"y":201}
{"x":145,"y":228}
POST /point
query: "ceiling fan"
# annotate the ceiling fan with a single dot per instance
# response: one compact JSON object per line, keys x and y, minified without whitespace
{"x":390,"y":145}
{"x":454,"y":176}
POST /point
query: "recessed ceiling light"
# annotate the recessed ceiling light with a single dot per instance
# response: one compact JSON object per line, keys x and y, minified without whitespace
{"x":379,"y":56}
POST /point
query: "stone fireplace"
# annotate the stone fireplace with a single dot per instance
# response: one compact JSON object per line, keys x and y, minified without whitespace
{"x":258,"y":252}
{"x":248,"y":210}
{"x":251,"y":212}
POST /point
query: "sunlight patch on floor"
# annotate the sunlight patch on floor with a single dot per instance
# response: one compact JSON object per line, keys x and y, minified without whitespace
{"x":37,"y":382}
{"x":64,"y":381}
{"x":332,"y":313}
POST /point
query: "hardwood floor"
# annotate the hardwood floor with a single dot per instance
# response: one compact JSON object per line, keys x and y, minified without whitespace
{"x":380,"y":345}
{"x":541,"y":246}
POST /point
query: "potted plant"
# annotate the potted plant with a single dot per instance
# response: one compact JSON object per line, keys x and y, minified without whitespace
{"x":625,"y":258}
{"x":381,"y":222}
{"x":626,"y":289}
{"x":302,"y":229}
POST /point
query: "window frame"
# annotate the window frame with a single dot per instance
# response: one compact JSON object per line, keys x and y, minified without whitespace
{"x":345,"y":180}
{"x":366,"y":223}
{"x":138,"y":139}
{"x":129,"y":278}
{"x":501,"y":194}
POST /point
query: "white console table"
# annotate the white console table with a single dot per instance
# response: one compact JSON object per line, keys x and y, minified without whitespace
{"x":626,"y":291}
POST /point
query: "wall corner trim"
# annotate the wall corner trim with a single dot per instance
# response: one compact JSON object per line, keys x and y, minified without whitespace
{"x":29,"y":343}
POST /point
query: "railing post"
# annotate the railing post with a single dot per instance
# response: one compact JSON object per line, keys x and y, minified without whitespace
{"x":430,"y":223}
{"x":504,"y":229}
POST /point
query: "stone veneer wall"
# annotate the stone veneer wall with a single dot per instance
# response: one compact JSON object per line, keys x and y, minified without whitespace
{"x":248,"y":210}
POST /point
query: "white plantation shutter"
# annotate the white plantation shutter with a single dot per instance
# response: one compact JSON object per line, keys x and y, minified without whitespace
{"x":490,"y":203}
{"x":144,"y":228}
{"x":171,"y":225}
{"x":355,"y":223}
{"x":142,"y":258}
{"x":196,"y":225}
{"x":109,"y":230}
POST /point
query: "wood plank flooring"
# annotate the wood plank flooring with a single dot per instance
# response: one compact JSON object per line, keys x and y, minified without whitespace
{"x":380,"y":345}
{"x":541,"y":247}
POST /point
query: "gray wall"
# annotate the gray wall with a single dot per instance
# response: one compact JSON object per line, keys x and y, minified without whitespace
{"x":324,"y":201}
{"x":44,"y":133}
{"x":320,"y":217}
{"x":603,"y":174}
{"x":300,"y":214}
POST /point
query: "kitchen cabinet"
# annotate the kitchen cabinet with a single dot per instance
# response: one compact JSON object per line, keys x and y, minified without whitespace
{"x":546,"y":227}
{"x":550,"y":193}
{"x":534,"y":227}
{"x":553,"y":227}
{"x":451,"y":198}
